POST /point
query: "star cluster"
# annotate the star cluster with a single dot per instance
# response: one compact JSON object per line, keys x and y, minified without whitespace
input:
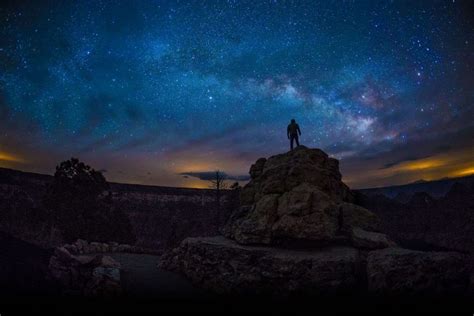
{"x":151,"y":90}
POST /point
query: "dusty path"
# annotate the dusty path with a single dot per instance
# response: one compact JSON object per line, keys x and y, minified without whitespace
{"x":142,"y":278}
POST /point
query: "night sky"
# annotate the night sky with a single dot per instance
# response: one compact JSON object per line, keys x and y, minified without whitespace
{"x":149,"y":91}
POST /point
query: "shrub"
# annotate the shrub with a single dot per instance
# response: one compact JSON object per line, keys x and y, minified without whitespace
{"x":79,"y":205}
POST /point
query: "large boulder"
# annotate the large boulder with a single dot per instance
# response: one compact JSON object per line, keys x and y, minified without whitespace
{"x":104,"y":282}
{"x":283,"y":172}
{"x":370,"y":240}
{"x":89,"y":275}
{"x":404,"y":272}
{"x":354,"y":216}
{"x":223,"y":266}
{"x":297,"y":198}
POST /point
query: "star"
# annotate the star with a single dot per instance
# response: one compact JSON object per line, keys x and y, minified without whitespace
{"x":203,"y":84}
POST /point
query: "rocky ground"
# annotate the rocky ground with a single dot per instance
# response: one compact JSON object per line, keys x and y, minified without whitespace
{"x":298,"y":232}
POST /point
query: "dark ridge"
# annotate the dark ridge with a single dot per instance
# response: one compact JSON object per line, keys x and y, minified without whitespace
{"x":424,"y":222}
{"x":436,"y":189}
{"x":17,"y":177}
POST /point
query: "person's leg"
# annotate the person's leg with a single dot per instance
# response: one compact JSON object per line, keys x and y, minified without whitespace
{"x":291,"y":142}
{"x":297,"y":141}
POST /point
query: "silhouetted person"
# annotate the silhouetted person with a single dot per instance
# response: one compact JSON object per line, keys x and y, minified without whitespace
{"x":292,"y":131}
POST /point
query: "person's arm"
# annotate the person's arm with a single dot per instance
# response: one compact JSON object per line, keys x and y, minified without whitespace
{"x":298,"y":127}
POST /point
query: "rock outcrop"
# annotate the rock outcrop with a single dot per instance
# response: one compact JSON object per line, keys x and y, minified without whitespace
{"x":222,"y":265}
{"x":88,"y":275}
{"x":403,"y":271}
{"x":81,"y":268}
{"x":81,"y":246}
{"x":297,"y":231}
{"x":298,"y":198}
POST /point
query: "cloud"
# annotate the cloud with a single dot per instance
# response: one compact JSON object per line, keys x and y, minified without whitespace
{"x":211,"y":175}
{"x":399,"y":161}
{"x":464,"y":172}
{"x":411,"y":161}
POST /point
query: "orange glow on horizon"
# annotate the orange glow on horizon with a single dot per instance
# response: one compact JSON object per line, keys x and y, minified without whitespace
{"x":443,"y":165}
{"x":194,"y":167}
{"x":9,"y":157}
{"x":464,"y":172}
{"x":195,"y":183}
{"x":422,"y":164}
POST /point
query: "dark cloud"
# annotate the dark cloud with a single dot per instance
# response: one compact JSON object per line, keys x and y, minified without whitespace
{"x":399,"y":161}
{"x":211,"y":175}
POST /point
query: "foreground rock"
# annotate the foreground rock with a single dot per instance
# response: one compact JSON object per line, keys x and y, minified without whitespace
{"x":88,"y":275}
{"x":402,"y":271}
{"x":222,"y":265}
{"x":370,"y":240}
{"x":82,"y":246}
{"x":80,"y":268}
{"x":298,"y":231}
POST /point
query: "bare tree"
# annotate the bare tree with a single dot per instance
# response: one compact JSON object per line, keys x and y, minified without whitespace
{"x":218,"y":183}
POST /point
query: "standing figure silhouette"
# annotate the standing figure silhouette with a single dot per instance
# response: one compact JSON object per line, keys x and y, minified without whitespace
{"x":292,"y":132}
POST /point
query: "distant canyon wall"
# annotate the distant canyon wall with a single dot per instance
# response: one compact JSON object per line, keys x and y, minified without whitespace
{"x":162,"y":216}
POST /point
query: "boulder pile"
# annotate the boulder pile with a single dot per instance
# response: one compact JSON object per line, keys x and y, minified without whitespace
{"x":297,"y":231}
{"x":87,"y":275}
{"x":82,"y":246}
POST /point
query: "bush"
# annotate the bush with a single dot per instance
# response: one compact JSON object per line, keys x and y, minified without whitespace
{"x":78,"y":204}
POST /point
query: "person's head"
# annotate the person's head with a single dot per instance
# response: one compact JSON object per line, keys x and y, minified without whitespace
{"x":293,"y":121}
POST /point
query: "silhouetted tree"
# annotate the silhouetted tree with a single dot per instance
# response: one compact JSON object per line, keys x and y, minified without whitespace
{"x":80,"y":207}
{"x":218,"y":183}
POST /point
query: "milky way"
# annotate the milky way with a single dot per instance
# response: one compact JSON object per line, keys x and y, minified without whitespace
{"x":148,"y":91}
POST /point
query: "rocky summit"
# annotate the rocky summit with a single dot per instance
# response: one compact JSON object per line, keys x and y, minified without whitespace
{"x":297,"y":231}
{"x":298,"y":199}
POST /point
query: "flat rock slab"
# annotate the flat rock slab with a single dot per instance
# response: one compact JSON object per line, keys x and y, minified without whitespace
{"x":223,"y":266}
{"x":403,"y":271}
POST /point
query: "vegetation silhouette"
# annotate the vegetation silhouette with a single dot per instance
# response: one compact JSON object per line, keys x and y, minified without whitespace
{"x":79,"y":204}
{"x":221,"y":186}
{"x":218,"y":183}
